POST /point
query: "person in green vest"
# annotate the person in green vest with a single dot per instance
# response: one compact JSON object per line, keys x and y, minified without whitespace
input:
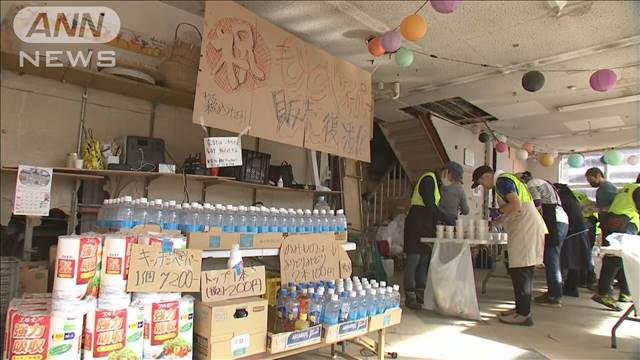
{"x":526,"y":232}
{"x":623,"y":217}
{"x":421,"y":222}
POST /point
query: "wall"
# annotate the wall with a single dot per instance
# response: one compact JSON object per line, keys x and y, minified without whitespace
{"x":40,"y":120}
{"x":550,"y":173}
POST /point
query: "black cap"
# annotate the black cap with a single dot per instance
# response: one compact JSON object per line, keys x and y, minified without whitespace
{"x":477,"y":174}
{"x":455,"y":170}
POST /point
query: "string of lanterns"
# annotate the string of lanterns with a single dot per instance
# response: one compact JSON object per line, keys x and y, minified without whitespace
{"x":601,"y":80}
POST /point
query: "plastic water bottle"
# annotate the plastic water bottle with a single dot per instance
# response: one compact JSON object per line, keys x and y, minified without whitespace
{"x":300,"y":223}
{"x":273,"y":217}
{"x":281,"y":310}
{"x":396,"y":296}
{"x":372,"y":302}
{"x":216,"y":216}
{"x":252,"y":220}
{"x":354,"y":306}
{"x":381,"y":300}
{"x":170,"y":217}
{"x":206,"y":215}
{"x":152,"y":214}
{"x":140,"y":212}
{"x":364,"y":304}
{"x":228,"y":219}
{"x":292,"y":307}
{"x":283,"y":221}
{"x":124,"y":218}
{"x":341,"y":221}
{"x":332,"y":311}
{"x":333,"y":225}
{"x":345,"y":307}
{"x":317,"y":222}
{"x":307,"y":221}
{"x":315,"y":310}
{"x":325,"y":221}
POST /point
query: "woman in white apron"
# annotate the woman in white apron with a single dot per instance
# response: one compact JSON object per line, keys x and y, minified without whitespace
{"x":525,"y":229}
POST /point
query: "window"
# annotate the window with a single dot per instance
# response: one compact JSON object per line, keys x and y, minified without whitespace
{"x":619,"y":175}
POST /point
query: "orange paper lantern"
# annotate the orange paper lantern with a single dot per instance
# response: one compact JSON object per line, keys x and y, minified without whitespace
{"x":546,"y":159}
{"x":375,"y":47}
{"x":413,"y":27}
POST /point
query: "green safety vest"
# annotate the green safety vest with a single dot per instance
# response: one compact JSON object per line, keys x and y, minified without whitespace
{"x":623,"y":204}
{"x":416,"y":198}
{"x":523,"y":192}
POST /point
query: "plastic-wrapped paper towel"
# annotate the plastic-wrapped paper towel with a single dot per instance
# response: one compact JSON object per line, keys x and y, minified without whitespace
{"x":77,"y":266}
{"x":114,"y":332}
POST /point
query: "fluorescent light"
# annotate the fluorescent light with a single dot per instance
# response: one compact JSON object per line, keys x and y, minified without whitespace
{"x":599,"y":103}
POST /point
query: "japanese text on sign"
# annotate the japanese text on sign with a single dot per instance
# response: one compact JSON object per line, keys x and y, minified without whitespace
{"x":228,"y":284}
{"x":223,"y":151}
{"x":302,"y":260}
{"x":152,"y":270}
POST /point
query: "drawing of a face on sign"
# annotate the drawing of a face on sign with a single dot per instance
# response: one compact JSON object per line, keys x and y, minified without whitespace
{"x":237,"y":55}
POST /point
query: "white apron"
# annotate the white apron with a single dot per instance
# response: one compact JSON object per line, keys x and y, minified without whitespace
{"x":525,"y":229}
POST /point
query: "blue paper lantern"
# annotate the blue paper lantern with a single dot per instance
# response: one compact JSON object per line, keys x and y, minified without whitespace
{"x":576,"y":160}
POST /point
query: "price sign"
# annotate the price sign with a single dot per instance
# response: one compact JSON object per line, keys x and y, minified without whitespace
{"x":228,"y":284}
{"x":153,"y":270}
{"x":303,"y":260}
{"x":223,"y":151}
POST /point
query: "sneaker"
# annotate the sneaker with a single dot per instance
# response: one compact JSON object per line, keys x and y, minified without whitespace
{"x":624,"y":298}
{"x":545,"y":300}
{"x":411,"y":302}
{"x":608,"y":301}
{"x":507,"y":312}
{"x":516,"y":319}
{"x":570,"y":292}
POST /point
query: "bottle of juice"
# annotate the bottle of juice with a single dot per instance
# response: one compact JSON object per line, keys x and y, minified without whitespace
{"x":302,"y":322}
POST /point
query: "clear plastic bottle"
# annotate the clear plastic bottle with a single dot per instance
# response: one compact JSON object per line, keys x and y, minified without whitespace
{"x":292,"y":307}
{"x":170,"y":219}
{"x":345,"y":305}
{"x":291,"y":221}
{"x":263,"y":220}
{"x":100,"y":219}
{"x":207,"y":215}
{"x":252,"y":220}
{"x":317,"y":222}
{"x":341,"y":221}
{"x":307,"y":221}
{"x":325,"y":221}
{"x":283,"y":221}
{"x":228,"y":223}
{"x":395,"y":296}
{"x":185,"y":209}
{"x":154,"y":215}
{"x":332,"y":311}
{"x":354,"y":306}
{"x":196,"y":216}
{"x":304,"y":299}
{"x":274,"y":218}
{"x":240,"y":224}
{"x":315,"y":310}
{"x":331,"y":218}
{"x":372,"y":302}
{"x":322,"y":204}
{"x":364,"y":304}
{"x":124,"y":218}
{"x":300,"y":223}
{"x":140,"y":212}
{"x":216,"y":216}
{"x":281,"y":310}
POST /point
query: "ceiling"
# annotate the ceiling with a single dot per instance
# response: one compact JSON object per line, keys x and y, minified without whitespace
{"x":515,"y":35}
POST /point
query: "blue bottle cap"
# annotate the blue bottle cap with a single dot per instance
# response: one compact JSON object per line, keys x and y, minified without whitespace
{"x":283,"y":292}
{"x":294,"y":294}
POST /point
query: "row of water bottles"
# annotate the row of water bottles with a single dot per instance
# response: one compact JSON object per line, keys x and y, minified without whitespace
{"x":332,"y":302}
{"x":126,"y":213}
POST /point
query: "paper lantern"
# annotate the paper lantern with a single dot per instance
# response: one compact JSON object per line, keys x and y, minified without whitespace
{"x":391,"y":41}
{"x":501,"y":147}
{"x":529,"y":147}
{"x":413,"y":27}
{"x":533,"y":81}
{"x":484,"y":137}
{"x":632,"y":160}
{"x":404,"y":57}
{"x":576,"y":160}
{"x":501,"y":138}
{"x":613,"y":157}
{"x":522,"y":154}
{"x":603,"y":80}
{"x":445,"y":6}
{"x":375,"y":47}
{"x":546,"y":159}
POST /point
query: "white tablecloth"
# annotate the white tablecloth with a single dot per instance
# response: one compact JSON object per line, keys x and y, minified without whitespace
{"x":628,"y":248}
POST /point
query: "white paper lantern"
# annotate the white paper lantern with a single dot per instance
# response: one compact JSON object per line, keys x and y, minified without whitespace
{"x":522,"y":154}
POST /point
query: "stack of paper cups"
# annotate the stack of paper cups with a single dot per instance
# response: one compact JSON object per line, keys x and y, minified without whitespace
{"x":470,"y":230}
{"x":460,"y":229}
{"x":440,"y":231}
{"x":449,"y":230}
{"x":482,"y":228}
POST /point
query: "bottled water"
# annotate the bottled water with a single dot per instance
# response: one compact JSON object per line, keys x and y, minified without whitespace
{"x":308,"y":221}
{"x":372,"y":302}
{"x":207,"y":214}
{"x":191,"y":218}
{"x":325,"y":221}
{"x":317,"y":222}
{"x":291,"y":221}
{"x":228,"y":224}
{"x":262,"y":220}
{"x":300,"y":223}
{"x":332,"y":311}
{"x":292,"y":308}
{"x":395,"y":297}
{"x":381,"y":300}
{"x":100,"y":220}
{"x":185,"y":209}
{"x":154,"y":214}
{"x":383,"y":284}
{"x":274,"y":220}
{"x":341,"y":221}
{"x":345,"y":304}
{"x":140,"y":212}
{"x":364,"y":304}
{"x":170,"y":219}
{"x":216,"y":216}
{"x":315,"y":310}
{"x":354,"y":306}
{"x":252,"y":220}
{"x":281,"y":310}
{"x":283,"y":221}
{"x":124,"y":214}
{"x":331,"y":217}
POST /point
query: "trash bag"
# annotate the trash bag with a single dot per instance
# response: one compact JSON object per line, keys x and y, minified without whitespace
{"x":395,"y":231}
{"x":451,"y":288}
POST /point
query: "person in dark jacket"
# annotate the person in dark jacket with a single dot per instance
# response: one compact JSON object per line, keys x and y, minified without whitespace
{"x":421,"y":222}
{"x":575,"y":255}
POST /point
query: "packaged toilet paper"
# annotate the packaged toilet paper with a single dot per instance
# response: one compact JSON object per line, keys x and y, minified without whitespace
{"x":77,"y":266}
{"x":116,"y":254}
{"x":114,"y":334}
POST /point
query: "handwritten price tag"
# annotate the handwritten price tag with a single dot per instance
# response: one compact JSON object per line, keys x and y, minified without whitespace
{"x":223,"y":151}
{"x":227,"y":284}
{"x":154,"y":270}
{"x":304,"y":260}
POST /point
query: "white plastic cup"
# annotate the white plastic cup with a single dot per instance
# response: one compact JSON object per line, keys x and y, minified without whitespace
{"x":449,"y":230}
{"x":440,"y":231}
{"x":504,"y":237}
{"x":78,"y":163}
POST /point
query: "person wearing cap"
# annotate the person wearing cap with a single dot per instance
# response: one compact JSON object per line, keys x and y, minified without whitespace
{"x":421,"y":222}
{"x":548,"y":202}
{"x":453,"y":198}
{"x":525,"y":230}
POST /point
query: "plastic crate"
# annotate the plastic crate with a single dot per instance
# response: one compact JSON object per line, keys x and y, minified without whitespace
{"x":254,"y":169}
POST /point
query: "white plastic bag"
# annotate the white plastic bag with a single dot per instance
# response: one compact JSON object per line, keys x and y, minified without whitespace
{"x":451,"y":289}
{"x":396,"y":234}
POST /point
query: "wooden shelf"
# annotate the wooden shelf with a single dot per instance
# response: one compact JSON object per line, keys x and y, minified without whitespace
{"x":247,"y":253}
{"x":62,"y":174}
{"x":97,"y":80}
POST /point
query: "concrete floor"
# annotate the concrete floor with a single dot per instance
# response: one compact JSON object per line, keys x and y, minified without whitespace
{"x":579,"y":330}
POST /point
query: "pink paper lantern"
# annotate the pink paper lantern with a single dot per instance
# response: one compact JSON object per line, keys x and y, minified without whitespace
{"x":501,"y":147}
{"x":529,"y":147}
{"x":445,"y":6}
{"x":603,"y":80}
{"x":391,"y":41}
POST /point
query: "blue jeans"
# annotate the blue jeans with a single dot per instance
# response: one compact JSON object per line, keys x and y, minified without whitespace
{"x":415,"y":272}
{"x":552,"y":262}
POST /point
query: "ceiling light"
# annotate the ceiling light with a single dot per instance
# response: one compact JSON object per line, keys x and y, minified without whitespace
{"x":600,"y":103}
{"x":572,"y":87}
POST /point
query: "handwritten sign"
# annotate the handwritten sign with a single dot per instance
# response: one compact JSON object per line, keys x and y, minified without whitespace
{"x":253,"y":73}
{"x":228,"y":284}
{"x":303,"y":260}
{"x":223,"y":151}
{"x":152,"y":270}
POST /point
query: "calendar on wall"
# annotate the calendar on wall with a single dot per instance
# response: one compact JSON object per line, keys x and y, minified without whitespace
{"x":33,"y":191}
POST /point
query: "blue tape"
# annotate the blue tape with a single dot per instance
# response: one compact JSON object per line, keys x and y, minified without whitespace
{"x":166,"y":245}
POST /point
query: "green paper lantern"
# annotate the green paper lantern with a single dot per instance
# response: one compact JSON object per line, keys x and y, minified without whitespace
{"x":404,"y":57}
{"x":576,"y":160}
{"x":613,"y":157}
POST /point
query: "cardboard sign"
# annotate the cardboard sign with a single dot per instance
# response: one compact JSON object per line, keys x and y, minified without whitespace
{"x":303,"y":259}
{"x":153,"y":270}
{"x":253,"y":73}
{"x":228,"y":284}
{"x":223,"y":151}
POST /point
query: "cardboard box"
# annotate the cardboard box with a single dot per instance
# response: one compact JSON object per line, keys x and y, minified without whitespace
{"x":216,"y":239}
{"x":213,"y":239}
{"x":138,"y":229}
{"x":389,"y":318}
{"x":273,"y":286}
{"x":222,"y":331}
{"x":286,"y":341}
{"x":341,"y":237}
{"x":346,"y":330}
{"x":34,"y":277}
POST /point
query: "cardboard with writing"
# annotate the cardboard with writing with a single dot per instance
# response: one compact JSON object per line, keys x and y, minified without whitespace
{"x":388,"y":318}
{"x":223,"y":151}
{"x":277,"y":343}
{"x":217,"y":285}
{"x":230,"y":329}
{"x":153,"y":270}
{"x":346,"y":330}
